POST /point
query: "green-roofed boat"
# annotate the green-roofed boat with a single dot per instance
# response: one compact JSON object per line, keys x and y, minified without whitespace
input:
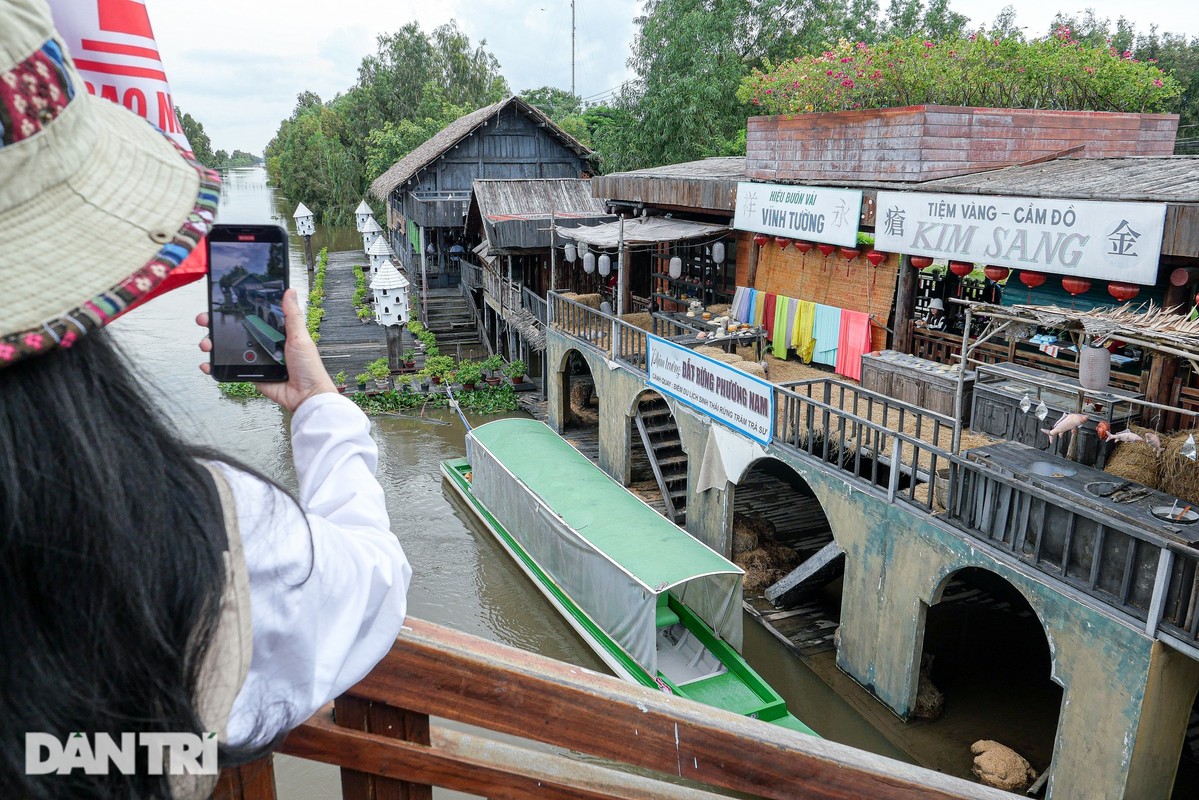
{"x":657,"y":605}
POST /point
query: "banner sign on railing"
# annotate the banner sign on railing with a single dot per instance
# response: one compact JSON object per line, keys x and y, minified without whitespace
{"x":810,"y":213}
{"x":737,"y":399}
{"x":1090,"y":239}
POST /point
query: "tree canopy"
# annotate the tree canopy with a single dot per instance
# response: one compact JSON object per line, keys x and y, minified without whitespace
{"x":201,"y":144}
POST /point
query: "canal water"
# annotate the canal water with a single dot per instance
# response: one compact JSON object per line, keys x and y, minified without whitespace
{"x":461,"y":578}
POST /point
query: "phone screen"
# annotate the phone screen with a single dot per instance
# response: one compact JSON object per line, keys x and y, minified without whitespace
{"x":247,"y":275}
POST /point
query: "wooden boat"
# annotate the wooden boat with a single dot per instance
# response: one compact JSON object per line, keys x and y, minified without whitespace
{"x":267,"y":337}
{"x":657,"y":605}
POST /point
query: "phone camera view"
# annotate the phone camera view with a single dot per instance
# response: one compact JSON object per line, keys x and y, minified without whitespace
{"x":247,"y":303}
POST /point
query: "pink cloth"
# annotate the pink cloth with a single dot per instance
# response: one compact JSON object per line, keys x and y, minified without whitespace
{"x":853,"y":343}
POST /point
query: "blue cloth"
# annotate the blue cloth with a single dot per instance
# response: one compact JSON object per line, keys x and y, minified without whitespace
{"x":826,"y":330}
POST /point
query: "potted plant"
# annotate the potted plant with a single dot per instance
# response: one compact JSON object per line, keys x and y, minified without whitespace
{"x":492,"y":366}
{"x":409,"y":358}
{"x":340,"y":381}
{"x":469,"y":373}
{"x":439,"y":367}
{"x":380,"y":371}
{"x":365,"y":314}
{"x":515,"y":370}
{"x":361,"y":378}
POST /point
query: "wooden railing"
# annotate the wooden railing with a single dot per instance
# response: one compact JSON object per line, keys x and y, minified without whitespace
{"x":869,"y":438}
{"x":472,"y":275}
{"x":534,"y":304}
{"x":380,"y":734}
{"x":946,"y":348}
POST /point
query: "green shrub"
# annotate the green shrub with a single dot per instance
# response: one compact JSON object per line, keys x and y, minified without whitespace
{"x":515,"y":369}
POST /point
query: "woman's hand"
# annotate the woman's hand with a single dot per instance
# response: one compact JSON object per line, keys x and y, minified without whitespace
{"x":306,"y":372}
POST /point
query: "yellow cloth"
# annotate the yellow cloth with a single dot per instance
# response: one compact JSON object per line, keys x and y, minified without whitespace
{"x":779,"y":344}
{"x":805,"y":318}
{"x":759,"y":308}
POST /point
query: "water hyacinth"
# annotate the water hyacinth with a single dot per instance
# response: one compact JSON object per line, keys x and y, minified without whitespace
{"x":1058,"y":72}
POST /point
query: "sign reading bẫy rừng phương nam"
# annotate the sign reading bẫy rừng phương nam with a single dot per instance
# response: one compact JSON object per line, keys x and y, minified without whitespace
{"x":809,"y":213}
{"x":1090,"y":239}
{"x":735,"y":398}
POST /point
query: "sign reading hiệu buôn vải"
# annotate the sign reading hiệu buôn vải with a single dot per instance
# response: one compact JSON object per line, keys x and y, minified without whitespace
{"x":1087,"y":238}
{"x":737,"y":399}
{"x":810,"y":213}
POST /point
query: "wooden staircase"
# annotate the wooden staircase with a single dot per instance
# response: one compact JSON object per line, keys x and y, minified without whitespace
{"x":664,"y":446}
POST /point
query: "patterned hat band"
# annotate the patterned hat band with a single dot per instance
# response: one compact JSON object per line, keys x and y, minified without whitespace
{"x":33,"y":93}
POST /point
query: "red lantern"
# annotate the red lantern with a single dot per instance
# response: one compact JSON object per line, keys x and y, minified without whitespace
{"x":802,"y":246}
{"x":1076,"y":286}
{"x":996,"y":273}
{"x":1123,"y":291}
{"x":920,"y":262}
{"x":827,"y":249}
{"x":1032,"y":279}
{"x":850,"y":253}
{"x":783,"y":241}
{"x":875,"y":257}
{"x":961,"y":268}
{"x":760,"y":239}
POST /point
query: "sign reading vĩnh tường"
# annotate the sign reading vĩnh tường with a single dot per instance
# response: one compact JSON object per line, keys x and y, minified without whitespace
{"x":809,"y":213}
{"x":1090,"y":239}
{"x":735,"y":398}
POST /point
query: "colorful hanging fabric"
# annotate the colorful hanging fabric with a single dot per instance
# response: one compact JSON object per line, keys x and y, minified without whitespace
{"x":789,"y":318}
{"x":853,"y":343}
{"x":826,"y":330}
{"x":740,"y":298}
{"x":805,"y":318}
{"x":768,"y":315}
{"x":779,"y":341}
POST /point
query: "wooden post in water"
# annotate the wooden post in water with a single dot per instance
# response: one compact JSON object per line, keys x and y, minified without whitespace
{"x":395,"y":338}
{"x":308,"y":254}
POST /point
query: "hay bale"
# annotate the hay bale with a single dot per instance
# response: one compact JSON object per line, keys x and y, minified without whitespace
{"x":589,"y":300}
{"x":752,"y":367}
{"x":710,"y":350}
{"x":1001,"y":767}
{"x":1136,"y":462}
{"x":1178,"y":475}
{"x":643,"y":320}
{"x":728,"y":358}
{"x":719,"y":310}
{"x":759,"y":570}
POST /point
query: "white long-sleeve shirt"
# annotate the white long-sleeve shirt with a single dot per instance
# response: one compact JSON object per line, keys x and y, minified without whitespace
{"x":328,"y":579}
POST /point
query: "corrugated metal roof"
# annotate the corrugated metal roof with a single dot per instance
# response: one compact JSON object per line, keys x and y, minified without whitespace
{"x":455,"y":132}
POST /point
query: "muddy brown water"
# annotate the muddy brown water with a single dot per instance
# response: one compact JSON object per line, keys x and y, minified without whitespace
{"x":462,"y":579}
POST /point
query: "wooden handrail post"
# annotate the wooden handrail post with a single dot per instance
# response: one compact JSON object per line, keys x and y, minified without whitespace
{"x":381,"y":720}
{"x":253,"y":781}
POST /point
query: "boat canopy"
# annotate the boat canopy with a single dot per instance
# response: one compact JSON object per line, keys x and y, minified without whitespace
{"x":608,"y":550}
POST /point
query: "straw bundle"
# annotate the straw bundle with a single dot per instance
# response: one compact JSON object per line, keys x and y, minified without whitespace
{"x":749,"y":532}
{"x":1135,"y":461}
{"x":752,"y":367}
{"x":643,"y":320}
{"x":589,"y":300}
{"x":709,"y":350}
{"x":1178,"y":475}
{"x":719,"y":310}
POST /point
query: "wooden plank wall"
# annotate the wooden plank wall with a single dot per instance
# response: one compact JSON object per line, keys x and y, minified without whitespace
{"x":833,"y":281}
{"x":919,"y":143}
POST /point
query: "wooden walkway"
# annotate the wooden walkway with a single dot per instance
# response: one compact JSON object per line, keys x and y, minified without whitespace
{"x":348,"y":345}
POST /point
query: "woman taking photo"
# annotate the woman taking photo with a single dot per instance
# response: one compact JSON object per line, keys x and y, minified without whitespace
{"x":146,"y":585}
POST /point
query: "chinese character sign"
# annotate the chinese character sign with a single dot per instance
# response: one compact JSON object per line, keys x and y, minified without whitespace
{"x":1107,"y":241}
{"x":114,"y":50}
{"x":814,"y":214}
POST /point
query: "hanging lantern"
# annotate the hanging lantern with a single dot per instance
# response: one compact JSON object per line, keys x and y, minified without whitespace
{"x":783,"y":241}
{"x":876,"y":257}
{"x":583,"y":248}
{"x":1032,"y":279}
{"x":1123,"y":291}
{"x":761,"y":239}
{"x":571,"y":253}
{"x":589,"y":263}
{"x":961,"y":268}
{"x":1076,"y":286}
{"x":996,"y":273}
{"x":718,"y":253}
{"x":850,"y":253}
{"x":920,"y":262}
{"x":826,"y":249}
{"x":802,"y":246}
{"x":676,"y":268}
{"x":605,"y":265}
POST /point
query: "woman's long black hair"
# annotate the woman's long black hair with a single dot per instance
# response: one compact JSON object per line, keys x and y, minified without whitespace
{"x":111,"y":567}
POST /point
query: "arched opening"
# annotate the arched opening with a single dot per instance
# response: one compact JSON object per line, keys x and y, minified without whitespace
{"x":986,"y":672}
{"x":783,"y":541}
{"x":580,"y":405}
{"x":658,"y":471}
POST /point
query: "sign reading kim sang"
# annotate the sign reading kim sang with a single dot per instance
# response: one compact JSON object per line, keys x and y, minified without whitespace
{"x":1090,"y":239}
{"x":809,"y":213}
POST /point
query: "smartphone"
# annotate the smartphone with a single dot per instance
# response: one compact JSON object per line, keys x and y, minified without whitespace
{"x":247,"y":275}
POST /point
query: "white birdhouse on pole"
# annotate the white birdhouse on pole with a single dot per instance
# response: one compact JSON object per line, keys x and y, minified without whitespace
{"x":305,"y":226}
{"x":362,"y":214}
{"x":379,"y":252}
{"x":390,"y":289}
{"x":370,"y":232}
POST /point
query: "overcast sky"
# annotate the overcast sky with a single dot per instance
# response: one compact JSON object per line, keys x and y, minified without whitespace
{"x":237,"y":65}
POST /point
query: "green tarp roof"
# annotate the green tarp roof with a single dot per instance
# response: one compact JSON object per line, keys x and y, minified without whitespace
{"x":615,"y":522}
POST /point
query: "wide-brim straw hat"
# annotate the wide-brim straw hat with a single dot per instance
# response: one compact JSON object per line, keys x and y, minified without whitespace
{"x":83,"y":170}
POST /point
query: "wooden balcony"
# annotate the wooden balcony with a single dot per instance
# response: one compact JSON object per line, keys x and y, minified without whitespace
{"x":381,"y":736}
